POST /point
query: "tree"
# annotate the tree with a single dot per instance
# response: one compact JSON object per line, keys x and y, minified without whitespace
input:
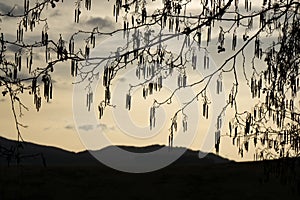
{"x":271,"y":28}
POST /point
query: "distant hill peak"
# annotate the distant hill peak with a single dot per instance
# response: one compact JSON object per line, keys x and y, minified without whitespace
{"x":57,"y":156}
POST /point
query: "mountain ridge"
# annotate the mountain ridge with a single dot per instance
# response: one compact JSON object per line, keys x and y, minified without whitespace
{"x":50,"y":155}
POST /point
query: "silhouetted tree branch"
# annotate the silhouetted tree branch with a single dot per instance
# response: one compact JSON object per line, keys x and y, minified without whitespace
{"x":272,"y":28}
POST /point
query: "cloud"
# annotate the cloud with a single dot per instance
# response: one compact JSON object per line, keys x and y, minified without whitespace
{"x":27,"y":39}
{"x":100,"y":22}
{"x":104,"y":127}
{"x":16,"y":9}
{"x":47,"y":128}
{"x":55,"y":13}
{"x":2,"y":100}
{"x":4,"y":8}
{"x":87,"y":127}
{"x":13,"y":48}
{"x":122,"y":80}
{"x":69,"y":127}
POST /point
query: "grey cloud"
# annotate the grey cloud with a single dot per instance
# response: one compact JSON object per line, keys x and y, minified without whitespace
{"x":105,"y":127}
{"x":16,"y":9}
{"x":2,"y":100}
{"x":32,"y":38}
{"x":89,"y":127}
{"x":9,"y":36}
{"x":86,"y":127}
{"x":69,"y":127}
{"x":23,"y":75}
{"x":12,"y":48}
{"x":47,"y":128}
{"x":4,"y":8}
{"x":122,"y":79}
{"x":27,"y":39}
{"x":100,"y":22}
{"x":55,"y":13}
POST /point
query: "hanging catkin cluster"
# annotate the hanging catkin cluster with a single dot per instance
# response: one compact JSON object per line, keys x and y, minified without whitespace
{"x":234,"y":40}
{"x":256,"y":87}
{"x":217,"y":140}
{"x":77,"y":14}
{"x":74,"y":67}
{"x":107,"y":77}
{"x":87,"y":51}
{"x":74,"y":63}
{"x":101,"y":110}
{"x":45,"y":38}
{"x":182,"y":80}
{"x":248,"y":124}
{"x":257,"y":48}
{"x":219,"y":85}
{"x":30,"y":20}
{"x":233,"y":131}
{"x":199,"y":37}
{"x":128,"y":101}
{"x":206,"y":60}
{"x":18,"y":64}
{"x":89,"y":100}
{"x":150,"y":88}
{"x":71,"y":45}
{"x":172,"y":130}
{"x":62,"y":53}
{"x":87,"y":4}
{"x":194,"y":60}
{"x":218,"y":133}
{"x":221,"y":41}
{"x":93,"y":40}
{"x":205,"y":108}
{"x":117,"y":8}
{"x":152,"y":117}
{"x":208,"y":35}
{"x":185,"y":124}
{"x":231,"y":98}
{"x":46,"y":79}
{"x":37,"y":100}
{"x":20,"y":33}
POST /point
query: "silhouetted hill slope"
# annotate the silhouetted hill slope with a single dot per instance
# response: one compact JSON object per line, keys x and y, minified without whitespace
{"x":57,"y":156}
{"x":232,"y":181}
{"x":190,"y":178}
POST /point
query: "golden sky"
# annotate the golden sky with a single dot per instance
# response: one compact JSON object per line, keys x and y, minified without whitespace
{"x":55,"y":125}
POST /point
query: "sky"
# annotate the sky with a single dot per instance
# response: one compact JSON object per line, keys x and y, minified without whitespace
{"x":64,"y":122}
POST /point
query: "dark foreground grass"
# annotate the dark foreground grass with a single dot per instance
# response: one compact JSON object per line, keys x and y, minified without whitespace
{"x":222,"y":181}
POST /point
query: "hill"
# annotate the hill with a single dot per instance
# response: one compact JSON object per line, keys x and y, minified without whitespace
{"x":56,"y":157}
{"x":77,"y":176}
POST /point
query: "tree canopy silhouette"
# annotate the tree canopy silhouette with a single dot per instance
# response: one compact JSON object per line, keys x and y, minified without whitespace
{"x":269,"y":27}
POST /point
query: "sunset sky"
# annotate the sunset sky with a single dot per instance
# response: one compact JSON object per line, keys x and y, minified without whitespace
{"x":55,"y":125}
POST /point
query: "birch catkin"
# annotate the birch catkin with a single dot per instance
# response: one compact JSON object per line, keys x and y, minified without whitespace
{"x":152,"y":117}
